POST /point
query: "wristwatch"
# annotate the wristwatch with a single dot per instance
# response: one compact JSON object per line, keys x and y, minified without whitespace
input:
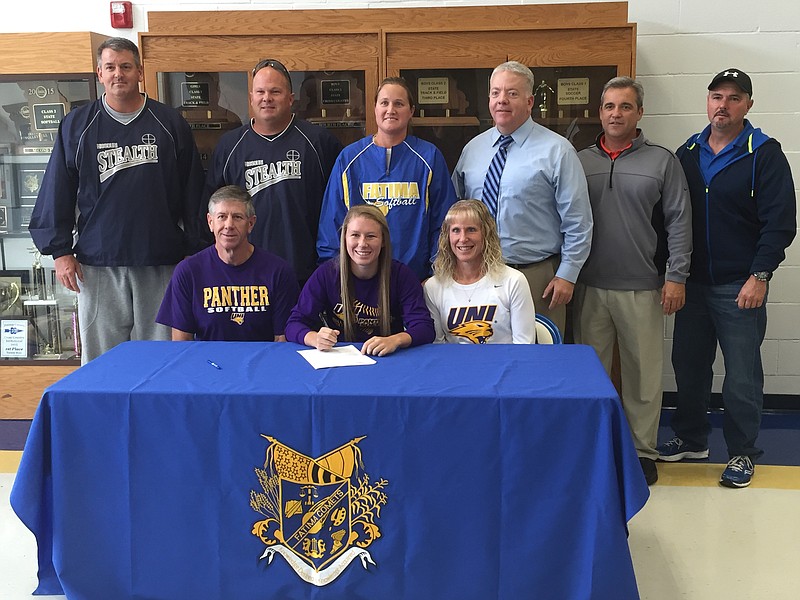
{"x":762,"y":275}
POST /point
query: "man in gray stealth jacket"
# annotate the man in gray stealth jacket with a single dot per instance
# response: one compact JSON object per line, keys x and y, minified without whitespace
{"x":639,"y":261}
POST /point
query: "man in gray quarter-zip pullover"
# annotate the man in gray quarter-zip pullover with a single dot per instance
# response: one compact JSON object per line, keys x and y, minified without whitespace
{"x":639,"y":261}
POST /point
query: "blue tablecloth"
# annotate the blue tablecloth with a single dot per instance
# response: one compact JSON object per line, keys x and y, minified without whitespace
{"x":442,"y":472}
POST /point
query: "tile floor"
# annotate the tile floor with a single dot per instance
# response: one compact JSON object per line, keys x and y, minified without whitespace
{"x":696,"y":540}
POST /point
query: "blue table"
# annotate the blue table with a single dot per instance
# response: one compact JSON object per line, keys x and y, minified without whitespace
{"x":441,"y":472}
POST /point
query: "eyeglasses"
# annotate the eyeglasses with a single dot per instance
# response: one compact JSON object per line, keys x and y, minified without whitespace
{"x":274,"y":64}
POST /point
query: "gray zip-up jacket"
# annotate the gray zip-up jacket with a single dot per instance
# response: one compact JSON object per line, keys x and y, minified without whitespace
{"x":642,"y":217}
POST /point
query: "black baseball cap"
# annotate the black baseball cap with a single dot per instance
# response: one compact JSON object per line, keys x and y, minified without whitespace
{"x":736,"y":76}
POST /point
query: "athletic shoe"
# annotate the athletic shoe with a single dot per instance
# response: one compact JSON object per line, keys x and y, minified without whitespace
{"x":649,"y":469}
{"x":676,"y":449}
{"x":738,"y":473}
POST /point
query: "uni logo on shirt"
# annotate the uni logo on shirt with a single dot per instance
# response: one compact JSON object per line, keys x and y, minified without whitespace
{"x":472,"y":322}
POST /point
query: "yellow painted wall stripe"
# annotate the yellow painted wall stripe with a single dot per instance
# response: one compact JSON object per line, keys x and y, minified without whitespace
{"x":9,"y":460}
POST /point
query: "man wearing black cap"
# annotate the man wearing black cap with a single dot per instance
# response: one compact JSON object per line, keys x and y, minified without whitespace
{"x":744,"y":218}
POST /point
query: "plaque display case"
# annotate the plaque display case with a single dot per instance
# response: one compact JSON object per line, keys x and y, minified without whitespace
{"x":45,"y":76}
{"x":31,"y":109}
{"x":446,"y":54}
{"x":567,"y":100}
{"x":453,"y":107}
{"x":35,"y":298}
{"x":334,"y":99}
{"x":216,"y":102}
{"x":212,"y":104}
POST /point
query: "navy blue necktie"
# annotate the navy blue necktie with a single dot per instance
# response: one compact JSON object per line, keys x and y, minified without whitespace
{"x":491,"y":187}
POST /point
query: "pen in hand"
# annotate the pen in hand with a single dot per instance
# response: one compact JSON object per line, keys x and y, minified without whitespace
{"x":326,"y":339}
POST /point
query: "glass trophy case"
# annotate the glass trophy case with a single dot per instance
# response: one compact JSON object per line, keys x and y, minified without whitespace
{"x":567,"y":100}
{"x":332,"y":99}
{"x":453,"y":105}
{"x":38,"y":316}
{"x":214,"y":103}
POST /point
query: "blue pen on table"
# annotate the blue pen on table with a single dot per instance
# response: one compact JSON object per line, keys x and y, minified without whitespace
{"x":213,"y":364}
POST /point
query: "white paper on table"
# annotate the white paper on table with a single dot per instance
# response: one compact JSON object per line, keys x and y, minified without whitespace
{"x":339,"y":356}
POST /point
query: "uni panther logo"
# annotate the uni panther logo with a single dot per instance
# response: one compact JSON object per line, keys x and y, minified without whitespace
{"x":472,"y":322}
{"x":475,"y":331}
{"x":238,"y":318}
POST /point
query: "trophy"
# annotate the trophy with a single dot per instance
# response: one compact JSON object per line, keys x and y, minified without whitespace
{"x":75,"y":332}
{"x":44,"y":313}
{"x":39,"y":286}
{"x":543,"y":92}
{"x":70,"y":331}
{"x":10,"y":292}
{"x":46,"y":328}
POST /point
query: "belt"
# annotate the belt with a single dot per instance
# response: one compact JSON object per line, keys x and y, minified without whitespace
{"x":530,"y":264}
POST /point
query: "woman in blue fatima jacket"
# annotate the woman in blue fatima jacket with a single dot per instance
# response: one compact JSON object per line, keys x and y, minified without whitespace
{"x":405,"y":177}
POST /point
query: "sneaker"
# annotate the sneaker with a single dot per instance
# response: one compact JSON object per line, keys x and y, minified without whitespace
{"x":649,"y":469}
{"x":676,"y":449}
{"x":738,"y":473}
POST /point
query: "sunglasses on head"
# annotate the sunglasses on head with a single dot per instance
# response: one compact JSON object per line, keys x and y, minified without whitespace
{"x":273,"y":64}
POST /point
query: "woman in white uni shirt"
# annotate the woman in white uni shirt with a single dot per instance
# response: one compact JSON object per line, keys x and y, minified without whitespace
{"x":474,"y":298}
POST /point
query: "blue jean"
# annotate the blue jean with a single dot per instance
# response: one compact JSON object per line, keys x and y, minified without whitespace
{"x":710,"y":316}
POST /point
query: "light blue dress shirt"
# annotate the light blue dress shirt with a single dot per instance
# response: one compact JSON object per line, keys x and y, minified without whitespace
{"x":543,"y":206}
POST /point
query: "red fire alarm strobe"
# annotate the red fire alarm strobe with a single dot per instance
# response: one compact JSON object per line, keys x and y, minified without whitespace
{"x":121,"y":15}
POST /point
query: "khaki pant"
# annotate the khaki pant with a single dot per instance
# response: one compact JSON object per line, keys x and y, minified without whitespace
{"x":635,"y":320}
{"x":539,"y":276}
